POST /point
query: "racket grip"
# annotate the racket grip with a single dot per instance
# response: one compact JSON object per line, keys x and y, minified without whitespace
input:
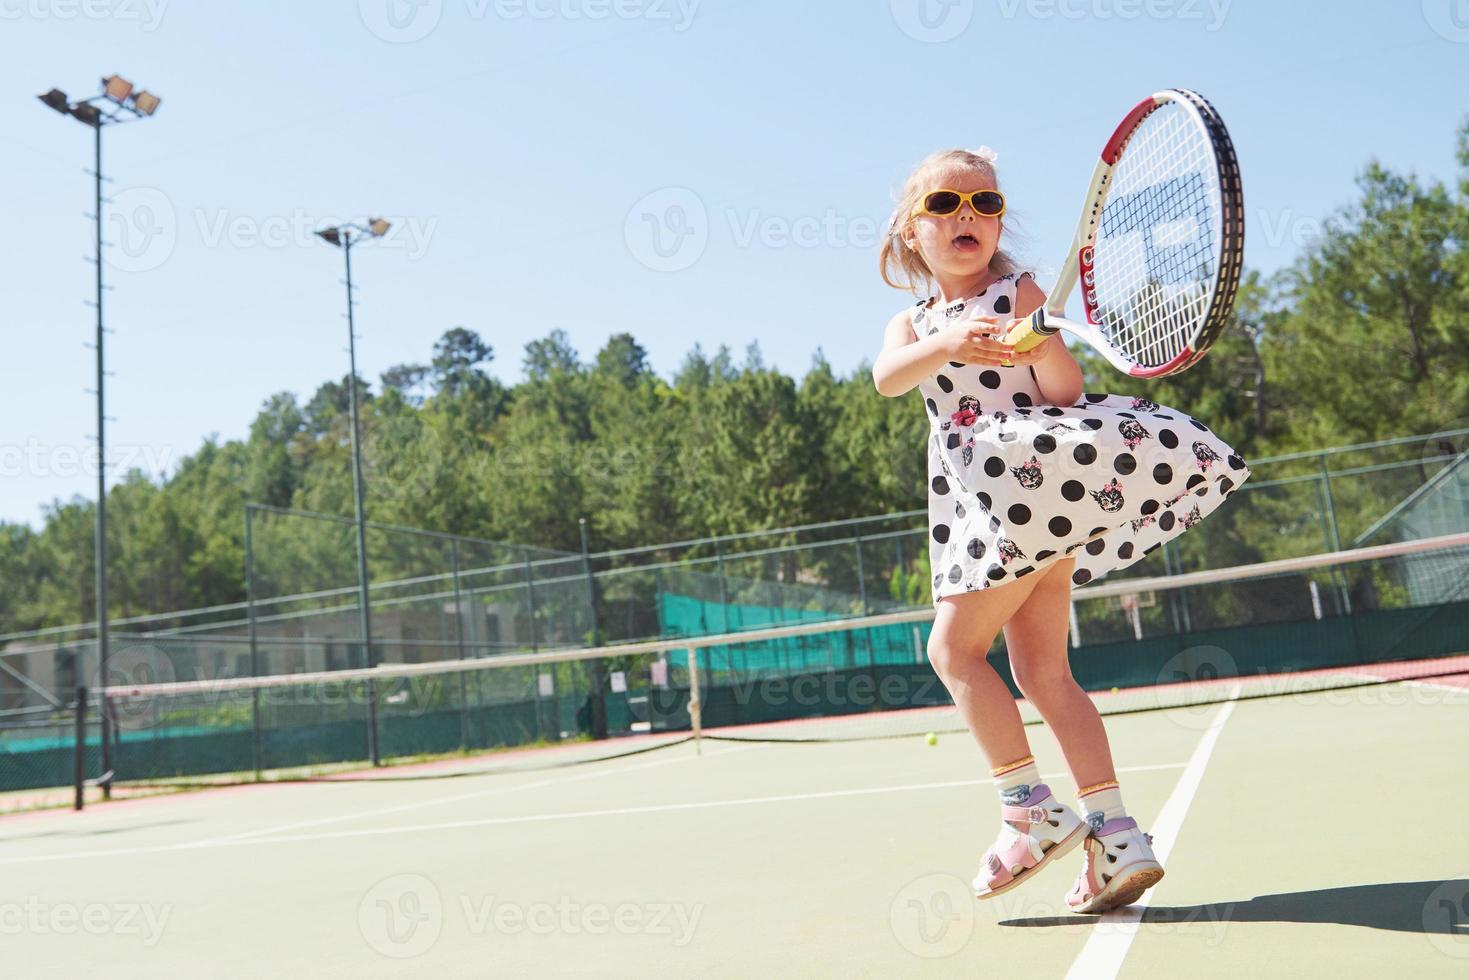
{"x":1031,"y":333}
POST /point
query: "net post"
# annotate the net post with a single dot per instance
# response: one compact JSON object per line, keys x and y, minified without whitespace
{"x":696,"y":708}
{"x":79,"y":760}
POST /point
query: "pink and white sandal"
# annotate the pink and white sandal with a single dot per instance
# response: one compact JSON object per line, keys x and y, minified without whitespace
{"x":1034,"y":832}
{"x":1119,"y":867}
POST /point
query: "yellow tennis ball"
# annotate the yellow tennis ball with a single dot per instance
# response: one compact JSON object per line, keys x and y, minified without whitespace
{"x":931,"y":738}
{"x":1114,"y":690}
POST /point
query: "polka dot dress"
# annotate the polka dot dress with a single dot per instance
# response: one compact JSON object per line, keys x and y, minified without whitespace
{"x":1015,"y":484}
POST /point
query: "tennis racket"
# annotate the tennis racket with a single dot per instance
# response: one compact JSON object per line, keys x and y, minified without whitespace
{"x":1159,"y":245}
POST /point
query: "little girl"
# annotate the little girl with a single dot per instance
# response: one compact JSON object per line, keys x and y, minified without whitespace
{"x":1035,"y":486}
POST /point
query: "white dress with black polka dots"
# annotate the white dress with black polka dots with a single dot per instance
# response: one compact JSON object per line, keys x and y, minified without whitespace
{"x":1015,"y":485}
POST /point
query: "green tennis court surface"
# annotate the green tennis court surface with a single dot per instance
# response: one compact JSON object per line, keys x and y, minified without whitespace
{"x":1311,"y":832}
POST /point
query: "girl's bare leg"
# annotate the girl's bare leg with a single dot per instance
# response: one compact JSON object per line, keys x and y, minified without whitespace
{"x":964,"y":628}
{"x":1035,"y":636}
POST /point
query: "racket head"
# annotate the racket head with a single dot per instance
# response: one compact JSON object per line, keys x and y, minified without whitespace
{"x":1162,"y":262}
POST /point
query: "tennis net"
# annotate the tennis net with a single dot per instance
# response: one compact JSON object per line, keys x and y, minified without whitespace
{"x":1346,"y":619}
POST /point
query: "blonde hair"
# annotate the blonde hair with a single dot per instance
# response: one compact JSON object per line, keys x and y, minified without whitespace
{"x":902,"y":267}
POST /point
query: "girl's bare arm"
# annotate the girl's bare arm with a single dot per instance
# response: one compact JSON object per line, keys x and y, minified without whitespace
{"x":906,"y":360}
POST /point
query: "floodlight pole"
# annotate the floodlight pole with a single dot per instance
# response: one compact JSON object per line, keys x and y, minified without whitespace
{"x":363,"y":605}
{"x":118,"y":102}
{"x":344,"y":238}
{"x":100,"y":547}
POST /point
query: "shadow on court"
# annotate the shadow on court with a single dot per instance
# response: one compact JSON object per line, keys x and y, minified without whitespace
{"x":1426,"y":907}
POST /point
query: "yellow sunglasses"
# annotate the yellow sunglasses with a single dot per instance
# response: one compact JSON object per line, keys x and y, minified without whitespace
{"x":944,"y":202}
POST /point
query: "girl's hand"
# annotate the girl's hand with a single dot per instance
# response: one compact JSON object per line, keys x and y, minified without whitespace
{"x":1036,"y":354}
{"x":979,"y":342}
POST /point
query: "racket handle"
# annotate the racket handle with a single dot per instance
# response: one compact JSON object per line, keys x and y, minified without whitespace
{"x":1032,"y":333}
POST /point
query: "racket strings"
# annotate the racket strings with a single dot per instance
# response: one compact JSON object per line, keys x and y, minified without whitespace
{"x":1157,"y":255}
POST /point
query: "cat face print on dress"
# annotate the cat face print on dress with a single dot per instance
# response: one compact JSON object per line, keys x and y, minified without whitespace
{"x":1193,"y":518}
{"x":1029,"y":473}
{"x":968,"y":412}
{"x":1206,"y":456}
{"x":1009,"y":551}
{"x":1144,"y":404}
{"x":1058,"y":427}
{"x":1143,"y":522}
{"x":1109,"y":498}
{"x":1133,"y":432}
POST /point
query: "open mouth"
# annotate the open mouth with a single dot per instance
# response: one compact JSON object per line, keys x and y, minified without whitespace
{"x":965,"y":242}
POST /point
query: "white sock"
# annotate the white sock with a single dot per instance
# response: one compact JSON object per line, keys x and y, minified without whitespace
{"x":1015,"y":779}
{"x":1101,"y":803}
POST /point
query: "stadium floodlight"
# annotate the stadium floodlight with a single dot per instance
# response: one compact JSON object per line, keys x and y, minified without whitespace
{"x":88,"y":113}
{"x":117,"y":88}
{"x":57,"y":100}
{"x":146,"y":103}
{"x":115,"y":103}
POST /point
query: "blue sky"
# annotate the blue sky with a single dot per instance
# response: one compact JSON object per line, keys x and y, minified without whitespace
{"x":708,"y":171}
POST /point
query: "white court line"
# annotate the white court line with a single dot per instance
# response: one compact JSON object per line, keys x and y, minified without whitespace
{"x":1101,"y":958}
{"x":529,"y":818}
{"x":1436,"y":686}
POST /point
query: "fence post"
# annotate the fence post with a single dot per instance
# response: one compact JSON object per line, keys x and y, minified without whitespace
{"x":79,"y":760}
{"x":598,"y":702}
{"x":459,"y":644}
{"x":1177,"y":599}
{"x":530,"y":586}
{"x":254,"y":642}
{"x":1331,"y":527}
{"x":723,"y":595}
{"x":696,"y":708}
{"x":458,"y":598}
